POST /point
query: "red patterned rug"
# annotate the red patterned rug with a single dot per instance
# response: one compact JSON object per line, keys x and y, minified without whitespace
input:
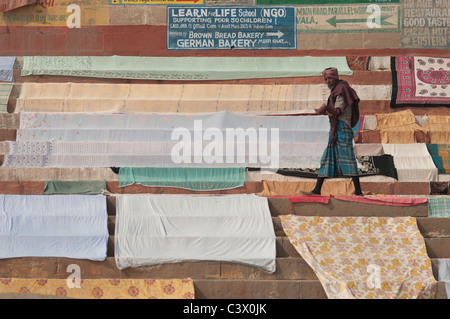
{"x":358,"y":63}
{"x":420,"y":81}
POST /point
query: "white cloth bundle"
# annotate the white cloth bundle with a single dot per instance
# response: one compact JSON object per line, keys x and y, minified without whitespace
{"x":412,"y":161}
{"x":156,"y":229}
{"x":72,"y":226}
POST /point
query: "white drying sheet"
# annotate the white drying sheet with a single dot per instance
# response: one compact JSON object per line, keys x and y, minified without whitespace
{"x":150,"y":140}
{"x":157,"y":229}
{"x":222,"y":119}
{"x":152,"y":154}
{"x":413,"y":162}
{"x":72,"y":226}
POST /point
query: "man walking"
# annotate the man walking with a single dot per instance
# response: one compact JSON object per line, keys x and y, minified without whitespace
{"x":342,"y":108}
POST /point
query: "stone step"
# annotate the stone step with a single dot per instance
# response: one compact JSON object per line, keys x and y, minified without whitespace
{"x":222,"y":290}
{"x":287,"y":268}
{"x":31,"y":181}
{"x":337,"y":207}
{"x":270,"y":289}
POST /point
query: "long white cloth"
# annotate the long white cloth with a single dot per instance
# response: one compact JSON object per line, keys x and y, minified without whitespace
{"x":148,"y":140}
{"x":156,"y":229}
{"x":181,"y":98}
{"x":72,"y":226}
{"x":412,"y":161}
{"x":156,"y":154}
{"x":222,"y":119}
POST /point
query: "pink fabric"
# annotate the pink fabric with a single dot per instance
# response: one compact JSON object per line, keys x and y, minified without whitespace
{"x":386,"y":200}
{"x":310,"y":199}
{"x":8,"y":5}
{"x":421,"y":81}
{"x":304,"y":199}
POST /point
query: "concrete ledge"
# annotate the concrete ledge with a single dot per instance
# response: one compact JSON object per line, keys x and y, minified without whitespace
{"x":335,"y":207}
{"x":270,"y":289}
{"x":288,"y":268}
{"x":246,"y":289}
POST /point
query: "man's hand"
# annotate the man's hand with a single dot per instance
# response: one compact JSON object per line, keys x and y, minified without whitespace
{"x":322,"y":109}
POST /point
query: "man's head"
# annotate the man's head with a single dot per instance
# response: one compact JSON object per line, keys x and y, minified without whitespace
{"x":331,"y":77}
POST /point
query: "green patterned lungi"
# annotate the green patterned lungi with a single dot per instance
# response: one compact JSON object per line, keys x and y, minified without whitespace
{"x":339,"y":159}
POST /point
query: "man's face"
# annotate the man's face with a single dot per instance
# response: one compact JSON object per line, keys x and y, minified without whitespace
{"x":331,"y":82}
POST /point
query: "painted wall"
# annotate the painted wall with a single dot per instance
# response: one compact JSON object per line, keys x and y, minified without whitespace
{"x":105,"y":27}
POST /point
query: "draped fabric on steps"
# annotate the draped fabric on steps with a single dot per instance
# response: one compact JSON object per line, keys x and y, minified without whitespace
{"x":182,"y":68}
{"x":412,"y":161}
{"x":420,"y":81}
{"x":439,"y":206}
{"x":367,"y":166}
{"x":6,"y":68}
{"x":441,"y":157}
{"x":397,"y":127}
{"x":439,"y":129}
{"x":336,"y":188}
{"x":192,"y":178}
{"x":72,"y":226}
{"x":74,"y":187}
{"x":5,"y":92}
{"x":386,"y":200}
{"x":157,"y":229}
{"x":150,"y":140}
{"x":439,"y":188}
{"x":123,"y":288}
{"x":181,"y":98}
{"x":8,"y":5}
{"x":364,"y":257}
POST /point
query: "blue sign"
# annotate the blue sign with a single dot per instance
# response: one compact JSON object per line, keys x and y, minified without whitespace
{"x":250,"y":28}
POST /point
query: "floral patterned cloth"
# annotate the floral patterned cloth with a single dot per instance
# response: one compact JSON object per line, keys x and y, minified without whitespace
{"x":102,"y":288}
{"x":364,"y":257}
{"x":420,"y":81}
{"x":358,"y":63}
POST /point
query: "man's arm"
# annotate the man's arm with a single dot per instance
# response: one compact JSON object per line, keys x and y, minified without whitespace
{"x":328,"y":111}
{"x":339,"y":106}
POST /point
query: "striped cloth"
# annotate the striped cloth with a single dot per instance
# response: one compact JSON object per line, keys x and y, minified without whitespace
{"x":439,"y":206}
{"x":5,"y":92}
{"x":339,"y":159}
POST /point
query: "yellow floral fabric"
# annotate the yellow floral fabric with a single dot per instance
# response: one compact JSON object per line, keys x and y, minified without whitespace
{"x":102,"y":288}
{"x":364,"y":257}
